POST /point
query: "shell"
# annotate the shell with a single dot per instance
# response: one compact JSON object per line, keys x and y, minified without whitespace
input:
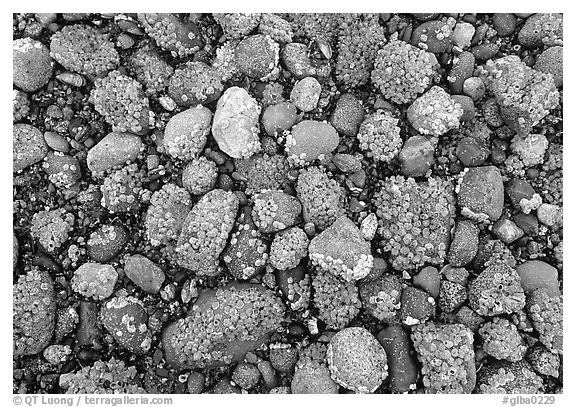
{"x":72,"y":79}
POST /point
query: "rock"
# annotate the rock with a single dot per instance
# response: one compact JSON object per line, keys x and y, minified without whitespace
{"x":347,"y":163}
{"x":434,"y":113}
{"x":462,"y":69}
{"x":126,"y":320}
{"x":310,"y":140}
{"x":369,"y":226}
{"x":62,"y":170}
{"x":306,"y":93}
{"x":56,"y":142}
{"x":536,"y":274}
{"x":402,"y":368}
{"x":34,"y":312}
{"x":474,"y":87}
{"x":186,"y":133}
{"x":542,"y":29}
{"x":236,"y":122}
{"x":416,"y":156}
{"x":484,"y":52}
{"x":56,"y":354}
{"x":113,"y":150}
{"x":225,"y":387}
{"x":144,"y":273}
{"x":381,"y":297}
{"x":551,"y":61}
{"x":195,"y":383}
{"x":549,"y":214}
{"x":28,"y":146}
{"x":311,"y":377}
{"x":275,"y":210}
{"x":507,"y":231}
{"x":416,"y":306}
{"x":467,"y":105}
{"x":246,"y":375}
{"x":348,"y":115}
{"x":452,"y":296}
{"x":94,"y":280}
{"x":428,"y":279}
{"x":257,"y":56}
{"x":481,"y":193}
{"x":464,"y":244}
{"x":88,"y":331}
{"x":342,"y":250}
{"x":522,"y":195}
{"x":279,"y":118}
{"x":106,"y":242}
{"x":462,"y":35}
{"x":31,"y":64}
{"x":504,"y":23}
{"x":283,"y":357}
{"x":528,"y":223}
{"x":434,"y":36}
{"x":471,"y":153}
{"x":356,"y":360}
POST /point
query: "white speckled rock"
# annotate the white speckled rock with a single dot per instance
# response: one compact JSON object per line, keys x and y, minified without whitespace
{"x":95,"y":280}
{"x":236,"y":123}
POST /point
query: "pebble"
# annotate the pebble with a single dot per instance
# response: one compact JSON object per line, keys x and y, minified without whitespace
{"x":306,"y":93}
{"x":462,"y":69}
{"x":402,"y":367}
{"x":428,"y":279}
{"x":536,"y":274}
{"x":551,"y":61}
{"x":88,"y":330}
{"x":348,"y":115}
{"x":279,"y":118}
{"x":467,"y":105}
{"x":481,"y":193}
{"x":507,"y":231}
{"x":464,"y":244}
{"x":369,"y":226}
{"x":347,"y":163}
{"x":144,"y":273}
{"x":283,"y":357}
{"x":126,"y":320}
{"x":474,"y":87}
{"x":257,"y":56}
{"x":416,"y":306}
{"x":56,"y":142}
{"x":416,"y":156}
{"x":462,"y":35}
{"x":113,"y":150}
{"x":268,"y":374}
{"x":31,"y":64}
{"x":310,"y":139}
{"x":528,"y":223}
{"x":484,"y":52}
{"x":106,"y":242}
{"x":504,"y":23}
{"x":434,"y":35}
{"x":195,"y":383}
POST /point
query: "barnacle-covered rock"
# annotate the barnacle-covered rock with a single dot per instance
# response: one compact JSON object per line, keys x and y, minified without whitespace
{"x":263,"y":171}
{"x":504,"y":377}
{"x":542,"y":29}
{"x":275,"y":211}
{"x":546,"y":313}
{"x":295,"y":57}
{"x":62,"y":170}
{"x":236,"y":123}
{"x":34,"y":312}
{"x":359,"y":39}
{"x":106,"y":242}
{"x":195,"y":83}
{"x":186,"y":132}
{"x":111,"y":377}
{"x":481,"y":193}
{"x":205,"y":232}
{"x":379,"y":136}
{"x":402,"y":72}
{"x":126,"y":319}
{"x":356,"y":360}
{"x":84,"y":49}
{"x":294,"y":283}
{"x":237,"y":25}
{"x":222,"y":326}
{"x":28,"y":146}
{"x":276,"y":27}
{"x":435,"y":112}
{"x":446,"y":352}
{"x":341,"y":250}
{"x":530,"y":149}
{"x":168,"y":209}
{"x":122,"y":102}
{"x":288,"y":248}
{"x":94,"y":280}
{"x":246,"y":254}
{"x":501,"y":339}
{"x":181,"y":38}
{"x":496,"y":291}
{"x":310,"y":140}
{"x":525,"y":95}
{"x":31,"y":64}
{"x":337,"y":301}
{"x":434,"y":36}
{"x":20,"y":105}
{"x":322,"y":198}
{"x":543,"y":361}
{"x":51,"y":228}
{"x":415,"y":220}
{"x":121,"y":189}
{"x":257,"y":56}
{"x":200,"y":175}
{"x":151,"y":70}
{"x":113,"y":150}
{"x":381,"y":297}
